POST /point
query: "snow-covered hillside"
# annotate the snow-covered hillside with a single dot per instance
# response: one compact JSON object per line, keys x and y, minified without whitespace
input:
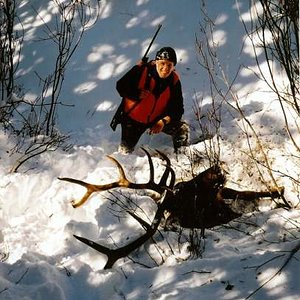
{"x":40,"y":258}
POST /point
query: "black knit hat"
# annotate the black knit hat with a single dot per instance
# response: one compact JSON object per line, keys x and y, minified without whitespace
{"x":167,"y":53}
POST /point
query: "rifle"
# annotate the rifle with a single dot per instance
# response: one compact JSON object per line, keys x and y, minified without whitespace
{"x":145,"y":58}
{"x":117,"y":118}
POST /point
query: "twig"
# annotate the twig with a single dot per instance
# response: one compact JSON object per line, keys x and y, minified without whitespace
{"x":5,"y":289}
{"x":198,"y":272}
{"x":23,"y":275}
{"x":292,"y":253}
{"x":264,"y":263}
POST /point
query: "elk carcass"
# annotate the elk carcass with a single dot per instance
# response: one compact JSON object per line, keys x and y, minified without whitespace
{"x":197,"y":203}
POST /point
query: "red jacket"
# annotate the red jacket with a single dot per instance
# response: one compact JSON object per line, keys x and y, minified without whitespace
{"x":165,"y":98}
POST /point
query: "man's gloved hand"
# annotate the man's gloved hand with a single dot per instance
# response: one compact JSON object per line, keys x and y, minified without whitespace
{"x":159,"y":125}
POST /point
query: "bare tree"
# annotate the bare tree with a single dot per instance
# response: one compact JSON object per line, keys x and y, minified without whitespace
{"x":280,"y":19}
{"x":225,"y":97}
{"x":274,"y":28}
{"x":9,"y":58}
{"x":7,"y":16}
{"x":277,"y":30}
{"x":273,"y":32}
{"x":32,"y":124}
{"x":74,"y":18}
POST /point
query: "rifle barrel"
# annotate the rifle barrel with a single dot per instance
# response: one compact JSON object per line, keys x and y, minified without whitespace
{"x":144,"y":59}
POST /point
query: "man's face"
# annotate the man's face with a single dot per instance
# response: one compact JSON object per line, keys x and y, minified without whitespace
{"x":164,"y":67}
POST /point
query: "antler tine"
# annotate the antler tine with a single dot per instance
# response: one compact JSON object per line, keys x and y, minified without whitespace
{"x":151,"y":167}
{"x":91,"y":188}
{"x":123,"y":179}
{"x":162,"y":185}
{"x":169,"y":169}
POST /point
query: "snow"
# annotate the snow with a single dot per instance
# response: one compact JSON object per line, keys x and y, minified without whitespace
{"x":40,"y":258}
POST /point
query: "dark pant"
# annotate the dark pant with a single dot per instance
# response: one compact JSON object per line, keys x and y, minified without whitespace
{"x":132,"y":131}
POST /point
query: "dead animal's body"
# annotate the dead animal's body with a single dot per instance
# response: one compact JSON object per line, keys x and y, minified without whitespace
{"x":197,"y":203}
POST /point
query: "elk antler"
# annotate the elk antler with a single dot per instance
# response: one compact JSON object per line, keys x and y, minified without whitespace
{"x":114,"y":254}
{"x":123,"y":181}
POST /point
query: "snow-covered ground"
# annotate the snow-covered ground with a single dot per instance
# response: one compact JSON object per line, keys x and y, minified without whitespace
{"x":40,"y":258}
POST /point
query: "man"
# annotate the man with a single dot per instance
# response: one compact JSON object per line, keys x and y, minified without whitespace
{"x":152,"y":99}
